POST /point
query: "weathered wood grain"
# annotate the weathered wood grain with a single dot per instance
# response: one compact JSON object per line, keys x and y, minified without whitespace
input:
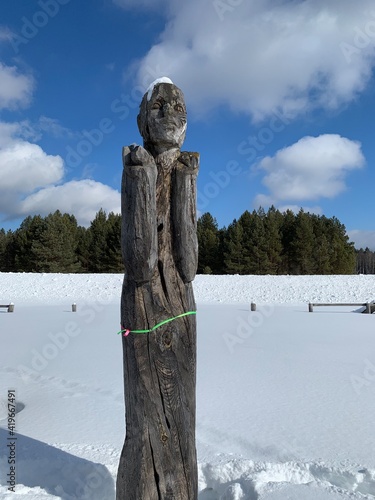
{"x":159,"y":244}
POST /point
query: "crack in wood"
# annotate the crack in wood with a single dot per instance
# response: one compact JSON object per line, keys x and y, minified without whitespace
{"x":156,"y":475}
{"x":160,"y":252}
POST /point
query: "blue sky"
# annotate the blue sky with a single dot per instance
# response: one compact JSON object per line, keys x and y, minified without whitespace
{"x":280,"y":97}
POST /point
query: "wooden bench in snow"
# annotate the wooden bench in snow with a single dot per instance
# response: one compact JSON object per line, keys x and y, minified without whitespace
{"x":369,"y":306}
{"x":10,"y":307}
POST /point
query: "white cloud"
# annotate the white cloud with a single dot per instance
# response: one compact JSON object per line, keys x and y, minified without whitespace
{"x":34,"y":130}
{"x":82,"y":198}
{"x":312,"y":168}
{"x":296,"y":208}
{"x":25,"y":167}
{"x":261,"y":54}
{"x":31,"y":181}
{"x":362,"y":239}
{"x":13,"y":132}
{"x":54,"y":128}
{"x":264,"y":201}
{"x":7,"y":133}
{"x":15,"y":88}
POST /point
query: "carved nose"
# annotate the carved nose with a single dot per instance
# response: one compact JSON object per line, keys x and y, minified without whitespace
{"x":167,"y":108}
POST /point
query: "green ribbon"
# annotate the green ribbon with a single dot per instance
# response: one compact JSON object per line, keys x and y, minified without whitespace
{"x":140,"y":332}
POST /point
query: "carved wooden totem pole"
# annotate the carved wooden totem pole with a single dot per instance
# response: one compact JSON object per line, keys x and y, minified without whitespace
{"x":160,"y":251}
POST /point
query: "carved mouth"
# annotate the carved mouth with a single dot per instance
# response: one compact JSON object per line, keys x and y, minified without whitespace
{"x":168,"y":123}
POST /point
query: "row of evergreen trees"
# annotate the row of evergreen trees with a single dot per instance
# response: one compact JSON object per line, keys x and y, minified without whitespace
{"x":275,"y":243}
{"x":56,"y":244}
{"x":365,"y":261}
{"x":256,"y":243}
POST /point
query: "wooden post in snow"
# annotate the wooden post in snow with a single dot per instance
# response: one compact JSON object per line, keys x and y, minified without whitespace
{"x":160,"y":252}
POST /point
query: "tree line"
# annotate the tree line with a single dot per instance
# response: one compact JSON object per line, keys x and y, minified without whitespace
{"x":57,"y":244}
{"x":259,"y":242}
{"x":275,"y":243}
{"x":365,"y":261}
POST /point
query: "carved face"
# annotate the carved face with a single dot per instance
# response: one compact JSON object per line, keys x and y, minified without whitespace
{"x":165,"y":117}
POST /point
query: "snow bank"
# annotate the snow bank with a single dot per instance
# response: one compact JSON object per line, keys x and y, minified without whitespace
{"x":285,"y":398}
{"x":62,"y":288}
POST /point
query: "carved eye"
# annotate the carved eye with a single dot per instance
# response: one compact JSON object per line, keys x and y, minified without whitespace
{"x":179,"y":108}
{"x":157,"y":105}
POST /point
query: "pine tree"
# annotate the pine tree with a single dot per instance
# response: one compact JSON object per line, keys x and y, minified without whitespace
{"x":3,"y":243}
{"x":274,"y":247}
{"x":342,"y":253}
{"x":321,"y":250}
{"x":55,"y":249}
{"x":369,"y":258}
{"x":29,"y":232}
{"x":98,"y":243}
{"x":113,"y":260}
{"x":208,"y":244}
{"x":288,"y":235}
{"x":8,"y":254}
{"x":303,"y":244}
{"x":254,"y":243}
{"x":365,"y":261}
{"x":233,"y":249}
{"x":83,"y":249}
{"x":249,"y":266}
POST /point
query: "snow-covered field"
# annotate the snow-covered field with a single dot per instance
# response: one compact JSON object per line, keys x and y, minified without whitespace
{"x":285,"y":398}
